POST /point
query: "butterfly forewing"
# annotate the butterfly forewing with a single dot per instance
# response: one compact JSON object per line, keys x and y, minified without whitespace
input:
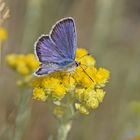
{"x":46,"y":50}
{"x":63,"y":35}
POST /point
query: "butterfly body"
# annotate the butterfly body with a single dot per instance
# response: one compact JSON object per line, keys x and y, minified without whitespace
{"x":71,"y":66}
{"x":56,"y":51}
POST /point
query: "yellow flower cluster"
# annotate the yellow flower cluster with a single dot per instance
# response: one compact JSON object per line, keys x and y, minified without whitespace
{"x":84,"y":85}
{"x":88,"y":99}
{"x":56,"y":85}
{"x":23,"y":64}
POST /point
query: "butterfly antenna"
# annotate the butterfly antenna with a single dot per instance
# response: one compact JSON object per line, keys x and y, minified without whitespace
{"x":83,"y":56}
{"x":87,"y":74}
{"x":88,"y":54}
{"x":84,"y":65}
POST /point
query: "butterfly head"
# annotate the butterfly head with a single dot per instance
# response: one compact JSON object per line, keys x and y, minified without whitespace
{"x":77,"y":63}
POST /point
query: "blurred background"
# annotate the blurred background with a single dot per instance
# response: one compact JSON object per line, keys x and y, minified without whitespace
{"x":110,"y":30}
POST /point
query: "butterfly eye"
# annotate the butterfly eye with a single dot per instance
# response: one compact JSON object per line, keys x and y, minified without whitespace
{"x":77,"y":64}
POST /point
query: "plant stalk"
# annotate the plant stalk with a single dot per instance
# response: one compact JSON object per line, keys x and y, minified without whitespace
{"x":63,"y":129}
{"x":23,"y":114}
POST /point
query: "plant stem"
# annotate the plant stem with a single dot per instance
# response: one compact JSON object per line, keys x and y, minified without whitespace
{"x":23,"y":114}
{"x":63,"y":129}
{"x":65,"y":122}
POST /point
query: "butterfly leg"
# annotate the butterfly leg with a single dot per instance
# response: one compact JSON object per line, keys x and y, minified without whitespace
{"x":87,"y":74}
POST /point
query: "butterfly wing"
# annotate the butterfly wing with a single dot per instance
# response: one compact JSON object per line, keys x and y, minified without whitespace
{"x":46,"y":50}
{"x":58,"y":48}
{"x":63,"y":35}
{"x":45,"y":69}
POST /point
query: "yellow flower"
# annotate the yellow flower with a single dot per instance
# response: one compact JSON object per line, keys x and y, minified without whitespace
{"x":79,"y":93}
{"x":22,"y":69}
{"x":50,"y":82}
{"x":87,"y":97}
{"x":3,"y":34}
{"x":59,"y":92}
{"x":84,"y":58}
{"x":11,"y":60}
{"x":92,"y":103}
{"x":39,"y":94}
{"x":69,"y":83}
{"x":90,"y":99}
{"x":23,"y":64}
{"x":87,"y":61}
{"x":100,"y":95}
{"x":31,"y":62}
{"x":52,"y":86}
{"x":80,"y":52}
{"x":82,"y":109}
{"x":85,"y":76}
{"x":102,"y":76}
{"x":37,"y":82}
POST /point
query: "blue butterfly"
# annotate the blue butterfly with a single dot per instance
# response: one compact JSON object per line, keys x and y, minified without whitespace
{"x":56,"y":51}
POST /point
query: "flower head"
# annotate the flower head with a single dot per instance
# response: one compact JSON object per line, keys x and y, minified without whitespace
{"x":3,"y":34}
{"x":84,"y":85}
{"x":24,"y":65}
{"x":39,"y":94}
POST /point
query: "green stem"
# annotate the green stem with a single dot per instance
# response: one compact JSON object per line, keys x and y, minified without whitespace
{"x":63,"y":129}
{"x":23,"y":114}
{"x":65,"y":122}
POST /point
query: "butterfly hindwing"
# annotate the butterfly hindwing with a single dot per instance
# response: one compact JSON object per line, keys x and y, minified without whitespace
{"x":47,"y":68}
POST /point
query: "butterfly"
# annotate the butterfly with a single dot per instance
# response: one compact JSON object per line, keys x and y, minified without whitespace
{"x":56,"y":51}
